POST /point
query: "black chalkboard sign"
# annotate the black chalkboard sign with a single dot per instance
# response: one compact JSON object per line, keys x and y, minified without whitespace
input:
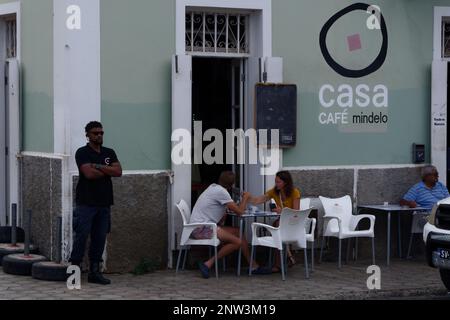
{"x":276,"y":108}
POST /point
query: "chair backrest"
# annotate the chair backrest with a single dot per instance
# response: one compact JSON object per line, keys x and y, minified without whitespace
{"x":305,"y":203}
{"x":419,"y":221}
{"x":185,"y":211}
{"x":292,"y":226}
{"x":340,"y":207}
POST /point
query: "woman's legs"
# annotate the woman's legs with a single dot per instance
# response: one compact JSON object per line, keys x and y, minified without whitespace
{"x":276,"y":266}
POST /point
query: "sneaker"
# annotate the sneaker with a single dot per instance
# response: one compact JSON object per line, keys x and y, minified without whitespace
{"x":204,"y":270}
{"x":261,"y":270}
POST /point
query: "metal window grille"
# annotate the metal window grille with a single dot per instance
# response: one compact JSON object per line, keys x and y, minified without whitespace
{"x":446,"y":38}
{"x":216,"y":33}
{"x":11,"y":39}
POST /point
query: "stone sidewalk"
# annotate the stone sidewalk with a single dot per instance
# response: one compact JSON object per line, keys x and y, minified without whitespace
{"x":402,"y":279}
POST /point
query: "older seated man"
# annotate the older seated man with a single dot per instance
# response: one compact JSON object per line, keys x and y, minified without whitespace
{"x":426,"y":193}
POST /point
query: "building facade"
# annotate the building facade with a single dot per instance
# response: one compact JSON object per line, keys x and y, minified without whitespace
{"x":371,"y":82}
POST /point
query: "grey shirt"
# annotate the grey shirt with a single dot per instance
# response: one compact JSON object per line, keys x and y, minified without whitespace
{"x":211,"y":205}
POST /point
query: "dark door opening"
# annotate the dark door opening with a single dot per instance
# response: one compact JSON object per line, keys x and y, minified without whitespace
{"x":214,"y":86}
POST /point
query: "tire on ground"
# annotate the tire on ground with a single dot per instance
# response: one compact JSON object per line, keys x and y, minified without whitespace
{"x":5,"y":235}
{"x":50,"y":271}
{"x":445,"y":277}
{"x":7,"y":249}
{"x":20,"y":265}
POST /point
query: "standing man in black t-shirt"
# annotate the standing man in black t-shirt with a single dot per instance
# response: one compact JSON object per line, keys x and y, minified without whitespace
{"x":94,"y":198}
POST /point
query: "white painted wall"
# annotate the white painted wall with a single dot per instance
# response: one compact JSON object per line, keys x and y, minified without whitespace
{"x":439,"y":105}
{"x":77,"y":90}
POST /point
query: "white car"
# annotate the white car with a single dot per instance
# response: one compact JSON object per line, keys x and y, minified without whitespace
{"x":436,"y":235}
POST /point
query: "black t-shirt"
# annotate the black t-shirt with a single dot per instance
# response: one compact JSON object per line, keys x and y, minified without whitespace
{"x":98,"y":192}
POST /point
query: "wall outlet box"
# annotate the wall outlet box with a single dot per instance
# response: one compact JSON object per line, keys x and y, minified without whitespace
{"x":418,"y":153}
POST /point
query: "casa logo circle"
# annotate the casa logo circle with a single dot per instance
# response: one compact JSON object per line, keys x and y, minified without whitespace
{"x":379,"y":60}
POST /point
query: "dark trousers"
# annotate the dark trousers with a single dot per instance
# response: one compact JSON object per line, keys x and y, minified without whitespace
{"x":95,"y":221}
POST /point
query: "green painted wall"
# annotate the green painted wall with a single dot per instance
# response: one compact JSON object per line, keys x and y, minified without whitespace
{"x":37,"y":75}
{"x":406,"y":73}
{"x":138,"y":39}
{"x":137,"y":43}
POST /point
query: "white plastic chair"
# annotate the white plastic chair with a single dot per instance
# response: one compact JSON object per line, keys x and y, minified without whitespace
{"x":339,"y":222}
{"x":188,"y":228}
{"x":310,"y":226}
{"x":291,"y":231}
{"x":417,"y":225}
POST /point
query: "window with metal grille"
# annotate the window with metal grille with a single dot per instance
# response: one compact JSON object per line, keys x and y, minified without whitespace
{"x":446,"y":38}
{"x":216,"y":33}
{"x":11,"y":38}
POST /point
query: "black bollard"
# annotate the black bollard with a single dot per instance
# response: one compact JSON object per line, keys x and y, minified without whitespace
{"x":59,"y":239}
{"x":14,"y":225}
{"x":27,"y":234}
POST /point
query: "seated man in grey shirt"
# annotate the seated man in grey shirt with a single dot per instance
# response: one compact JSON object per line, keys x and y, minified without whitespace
{"x":211,"y":208}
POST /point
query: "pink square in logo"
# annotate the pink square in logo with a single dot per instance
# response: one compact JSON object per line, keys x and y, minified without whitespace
{"x":354,"y":42}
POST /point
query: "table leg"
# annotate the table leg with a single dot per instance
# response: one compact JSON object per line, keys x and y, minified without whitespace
{"x":388,"y":238}
{"x":399,"y":236}
{"x":241,"y":227}
{"x":356,"y":241}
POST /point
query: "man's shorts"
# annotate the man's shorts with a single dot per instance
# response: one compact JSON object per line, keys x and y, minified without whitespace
{"x":202,"y":233}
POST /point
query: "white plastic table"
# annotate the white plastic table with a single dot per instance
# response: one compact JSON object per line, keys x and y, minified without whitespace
{"x":242,"y":218}
{"x":389,"y":209}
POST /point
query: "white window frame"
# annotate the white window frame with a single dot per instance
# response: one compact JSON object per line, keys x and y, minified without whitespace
{"x":440,"y":13}
{"x":260,"y":49}
{"x":265,"y":6}
{"x":215,"y":50}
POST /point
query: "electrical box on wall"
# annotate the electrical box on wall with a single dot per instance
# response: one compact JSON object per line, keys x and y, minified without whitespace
{"x":418,"y":153}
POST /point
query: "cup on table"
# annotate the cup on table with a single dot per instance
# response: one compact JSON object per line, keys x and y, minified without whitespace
{"x":253,"y":209}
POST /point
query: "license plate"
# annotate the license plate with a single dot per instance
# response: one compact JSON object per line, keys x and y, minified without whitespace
{"x":444,"y":254}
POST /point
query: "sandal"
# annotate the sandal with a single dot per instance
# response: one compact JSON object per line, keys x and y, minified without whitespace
{"x":291,"y":261}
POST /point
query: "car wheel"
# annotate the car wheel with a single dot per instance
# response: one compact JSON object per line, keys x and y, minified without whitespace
{"x":445,"y":276}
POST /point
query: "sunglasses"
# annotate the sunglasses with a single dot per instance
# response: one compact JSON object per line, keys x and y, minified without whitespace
{"x":97,"y":133}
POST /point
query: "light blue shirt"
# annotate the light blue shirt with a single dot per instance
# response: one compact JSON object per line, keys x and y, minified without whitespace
{"x":426,"y":197}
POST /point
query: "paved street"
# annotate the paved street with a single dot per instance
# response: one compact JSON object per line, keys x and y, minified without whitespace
{"x":403,"y":280}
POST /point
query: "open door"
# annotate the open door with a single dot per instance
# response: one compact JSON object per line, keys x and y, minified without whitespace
{"x":260,"y":70}
{"x":9,"y":138}
{"x":439,"y":103}
{"x":3,"y":148}
{"x":237,"y":115}
{"x":13,"y":132}
{"x":181,"y":119}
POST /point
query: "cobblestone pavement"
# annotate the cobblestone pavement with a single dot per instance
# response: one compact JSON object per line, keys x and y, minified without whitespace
{"x":404,"y":279}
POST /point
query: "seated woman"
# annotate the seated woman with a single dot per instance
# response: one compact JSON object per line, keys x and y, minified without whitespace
{"x":286,"y":196}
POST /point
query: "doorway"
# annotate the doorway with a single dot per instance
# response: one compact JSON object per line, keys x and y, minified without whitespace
{"x":9,"y":115}
{"x":258,"y":52}
{"x":217,"y":102}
